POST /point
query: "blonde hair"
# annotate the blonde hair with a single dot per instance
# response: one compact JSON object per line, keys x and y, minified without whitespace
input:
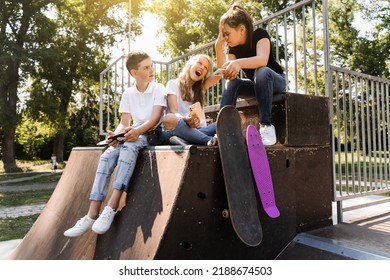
{"x":184,"y":80}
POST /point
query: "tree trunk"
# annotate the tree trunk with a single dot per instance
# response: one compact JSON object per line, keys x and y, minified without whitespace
{"x":9,"y":98}
{"x":8,"y":146}
{"x":58,"y":147}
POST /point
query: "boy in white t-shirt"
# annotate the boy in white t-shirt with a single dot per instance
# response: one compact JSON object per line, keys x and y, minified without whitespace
{"x":143,"y":104}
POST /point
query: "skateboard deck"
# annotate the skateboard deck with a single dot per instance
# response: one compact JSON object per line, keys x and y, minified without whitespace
{"x":238,"y":178}
{"x":261,"y":171}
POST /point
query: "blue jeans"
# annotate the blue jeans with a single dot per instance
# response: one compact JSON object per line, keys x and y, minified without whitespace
{"x":125,"y":156}
{"x":198,"y":136}
{"x":266,"y":82}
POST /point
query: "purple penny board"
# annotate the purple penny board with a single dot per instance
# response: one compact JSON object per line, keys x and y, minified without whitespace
{"x":261,"y":171}
{"x":239,"y":185}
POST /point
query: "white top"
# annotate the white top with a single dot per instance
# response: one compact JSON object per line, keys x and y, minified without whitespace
{"x":140,"y":104}
{"x":173,"y":88}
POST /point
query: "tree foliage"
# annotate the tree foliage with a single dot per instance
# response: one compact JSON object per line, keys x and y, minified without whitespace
{"x":24,"y":30}
{"x":52,"y":49}
{"x":52,"y":52}
{"x":192,"y":23}
{"x":372,"y":51}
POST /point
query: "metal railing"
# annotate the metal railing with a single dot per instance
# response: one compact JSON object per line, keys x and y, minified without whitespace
{"x":359,"y":103}
{"x":361,"y":143}
{"x":294,"y":34}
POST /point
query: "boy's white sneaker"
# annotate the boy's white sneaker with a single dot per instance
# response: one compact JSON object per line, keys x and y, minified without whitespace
{"x":81,"y":227}
{"x":103,"y":223}
{"x":268,"y":135}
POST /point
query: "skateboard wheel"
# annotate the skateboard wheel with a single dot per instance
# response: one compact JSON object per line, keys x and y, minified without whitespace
{"x":225,"y":213}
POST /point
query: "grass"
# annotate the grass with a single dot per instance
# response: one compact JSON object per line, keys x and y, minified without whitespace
{"x":43,"y":178}
{"x":16,"y":228}
{"x":361,"y":163}
{"x":13,"y":199}
{"x":30,"y":166}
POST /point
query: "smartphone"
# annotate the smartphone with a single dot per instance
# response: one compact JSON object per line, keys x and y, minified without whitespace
{"x":119,"y":137}
{"x":196,"y":110}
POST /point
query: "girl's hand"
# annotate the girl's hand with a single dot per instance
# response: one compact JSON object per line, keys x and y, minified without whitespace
{"x":232,"y":69}
{"x":192,"y":121}
{"x":221,"y":38}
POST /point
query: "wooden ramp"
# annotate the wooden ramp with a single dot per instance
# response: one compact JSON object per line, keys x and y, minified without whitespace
{"x":69,"y":201}
{"x":176,"y":206}
{"x":143,"y":228}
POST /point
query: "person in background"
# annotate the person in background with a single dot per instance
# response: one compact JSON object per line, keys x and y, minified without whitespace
{"x":53,"y":162}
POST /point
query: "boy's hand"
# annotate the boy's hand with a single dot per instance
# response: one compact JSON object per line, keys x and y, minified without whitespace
{"x":192,"y":121}
{"x":131,"y":134}
{"x":112,"y":142}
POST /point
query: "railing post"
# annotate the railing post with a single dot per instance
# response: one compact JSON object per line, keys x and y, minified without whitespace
{"x":101,"y":105}
{"x":328,"y":76}
{"x":329,"y":94}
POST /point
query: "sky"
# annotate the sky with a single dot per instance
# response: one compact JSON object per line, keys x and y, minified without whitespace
{"x":148,"y":41}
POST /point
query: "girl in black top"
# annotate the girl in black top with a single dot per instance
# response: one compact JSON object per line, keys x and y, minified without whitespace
{"x":248,"y":50}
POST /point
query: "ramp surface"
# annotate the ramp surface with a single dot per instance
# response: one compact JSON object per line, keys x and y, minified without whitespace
{"x":136,"y":223}
{"x":69,"y":201}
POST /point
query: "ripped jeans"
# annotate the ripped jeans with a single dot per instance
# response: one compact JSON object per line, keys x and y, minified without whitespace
{"x":125,"y":157}
{"x":198,"y":136}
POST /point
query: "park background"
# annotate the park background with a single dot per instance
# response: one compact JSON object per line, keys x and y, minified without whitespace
{"x":52,"y":52}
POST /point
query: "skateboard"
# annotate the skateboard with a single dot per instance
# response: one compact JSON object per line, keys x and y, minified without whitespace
{"x":261,"y":171}
{"x":238,"y":178}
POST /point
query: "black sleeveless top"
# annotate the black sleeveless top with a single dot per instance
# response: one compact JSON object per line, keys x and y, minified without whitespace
{"x":241,"y":51}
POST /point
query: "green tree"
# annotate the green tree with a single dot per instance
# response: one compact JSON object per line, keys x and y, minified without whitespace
{"x":342,"y":35}
{"x":33,"y":136}
{"x":24,"y":30}
{"x":192,"y":23}
{"x":372,"y":51}
{"x":76,"y":55}
{"x":56,"y":46}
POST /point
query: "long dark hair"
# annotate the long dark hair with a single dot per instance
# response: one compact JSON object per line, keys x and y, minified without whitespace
{"x":236,"y":16}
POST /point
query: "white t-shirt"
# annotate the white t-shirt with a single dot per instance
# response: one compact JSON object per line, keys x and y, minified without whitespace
{"x":140,"y":104}
{"x":173,"y":88}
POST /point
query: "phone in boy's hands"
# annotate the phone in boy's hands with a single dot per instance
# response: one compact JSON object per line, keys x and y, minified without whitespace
{"x":118,"y":137}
